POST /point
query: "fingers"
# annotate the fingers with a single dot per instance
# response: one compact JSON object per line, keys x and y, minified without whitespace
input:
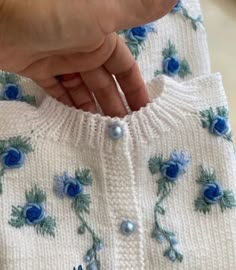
{"x":53,"y":88}
{"x":123,"y":65}
{"x":79,"y":92}
{"x":102,"y":84}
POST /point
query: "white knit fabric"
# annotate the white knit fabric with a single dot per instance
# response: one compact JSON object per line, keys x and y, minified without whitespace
{"x":65,"y":139}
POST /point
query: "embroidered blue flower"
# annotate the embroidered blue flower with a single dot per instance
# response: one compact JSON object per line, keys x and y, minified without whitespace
{"x":73,"y":188}
{"x":172,"y":65}
{"x":12,"y":154}
{"x":136,"y":36}
{"x":170,"y":171}
{"x":217,"y":123}
{"x":179,"y":8}
{"x":219,"y":126}
{"x":33,"y":213}
{"x":12,"y":158}
{"x":12,"y":91}
{"x":212,"y":193}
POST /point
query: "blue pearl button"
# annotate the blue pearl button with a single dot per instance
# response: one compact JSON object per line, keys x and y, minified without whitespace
{"x":115,"y":131}
{"x":127,"y":227}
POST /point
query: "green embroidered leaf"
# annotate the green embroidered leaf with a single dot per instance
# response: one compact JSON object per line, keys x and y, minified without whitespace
{"x":29,"y":99}
{"x":20,"y":143}
{"x":184,"y":69}
{"x":175,"y":255}
{"x":11,"y":77}
{"x":158,"y":72}
{"x":2,"y":146}
{"x":18,"y":218}
{"x":223,"y":112}
{"x":2,"y":78}
{"x":81,"y":203}
{"x":205,"y":123}
{"x":2,"y":171}
{"x":179,"y":256}
{"x":202,"y":206}
{"x":206,"y":176}
{"x":208,"y":115}
{"x":227,"y":201}
{"x":134,"y":49}
{"x":46,"y":226}
{"x":159,"y":209}
{"x":169,"y":51}
{"x":81,"y":229}
{"x":84,"y":177}
{"x":36,"y":195}
{"x":155,"y":163}
{"x":229,"y":136}
{"x":164,"y":188}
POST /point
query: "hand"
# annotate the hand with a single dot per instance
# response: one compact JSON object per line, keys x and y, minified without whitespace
{"x":47,"y":38}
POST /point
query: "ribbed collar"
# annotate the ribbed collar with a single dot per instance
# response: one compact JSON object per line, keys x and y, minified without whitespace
{"x":170,"y":102}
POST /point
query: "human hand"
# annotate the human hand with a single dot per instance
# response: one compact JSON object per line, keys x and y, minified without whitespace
{"x":50,"y":38}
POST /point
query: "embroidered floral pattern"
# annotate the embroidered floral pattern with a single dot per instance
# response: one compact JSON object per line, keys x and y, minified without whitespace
{"x":135,"y":37}
{"x":212,"y":193}
{"x":217,"y":123}
{"x":12,"y":90}
{"x":33,"y":213}
{"x":73,"y":188}
{"x":170,"y":171}
{"x":79,"y":268}
{"x":12,"y":154}
{"x":179,"y":8}
{"x":171,"y":65}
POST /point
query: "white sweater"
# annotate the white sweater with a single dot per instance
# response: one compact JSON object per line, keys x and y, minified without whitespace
{"x":89,"y":190}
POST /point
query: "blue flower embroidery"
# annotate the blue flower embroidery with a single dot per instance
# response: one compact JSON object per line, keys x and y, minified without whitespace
{"x":73,"y":188}
{"x":12,"y":154}
{"x":212,"y":193}
{"x":179,"y":8}
{"x":170,"y":171}
{"x":12,"y":91}
{"x":172,"y":65}
{"x":217,"y":123}
{"x":136,"y":36}
{"x":33,"y":213}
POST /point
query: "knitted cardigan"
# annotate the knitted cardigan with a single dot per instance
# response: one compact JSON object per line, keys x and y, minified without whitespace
{"x":153,"y":190}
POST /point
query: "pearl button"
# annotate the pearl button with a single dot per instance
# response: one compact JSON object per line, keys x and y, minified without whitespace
{"x":115,"y":131}
{"x":127,"y":227}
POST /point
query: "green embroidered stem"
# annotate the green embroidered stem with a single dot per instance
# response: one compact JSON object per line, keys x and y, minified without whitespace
{"x":92,"y":252}
{"x":194,"y":22}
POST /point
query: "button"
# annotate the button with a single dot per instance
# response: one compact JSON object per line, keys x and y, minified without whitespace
{"x":115,"y":131}
{"x":127,"y":227}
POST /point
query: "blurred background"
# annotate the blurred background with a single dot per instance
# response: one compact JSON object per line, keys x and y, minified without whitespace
{"x":220,"y":23}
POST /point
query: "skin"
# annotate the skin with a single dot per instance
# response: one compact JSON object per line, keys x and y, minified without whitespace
{"x":78,"y":40}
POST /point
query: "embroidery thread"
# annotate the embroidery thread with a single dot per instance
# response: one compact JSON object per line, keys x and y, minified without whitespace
{"x":217,"y":123}
{"x":212,"y":193}
{"x":170,"y":171}
{"x":179,"y":8}
{"x":33,"y":213}
{"x":12,"y":91}
{"x":73,"y":188}
{"x":136,"y":36}
{"x":171,"y":65}
{"x":79,"y":268}
{"x":12,"y":154}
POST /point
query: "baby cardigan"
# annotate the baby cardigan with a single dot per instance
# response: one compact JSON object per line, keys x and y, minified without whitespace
{"x":162,"y":147}
{"x":153,"y":190}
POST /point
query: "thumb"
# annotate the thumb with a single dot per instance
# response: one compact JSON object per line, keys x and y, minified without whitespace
{"x":124,"y":14}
